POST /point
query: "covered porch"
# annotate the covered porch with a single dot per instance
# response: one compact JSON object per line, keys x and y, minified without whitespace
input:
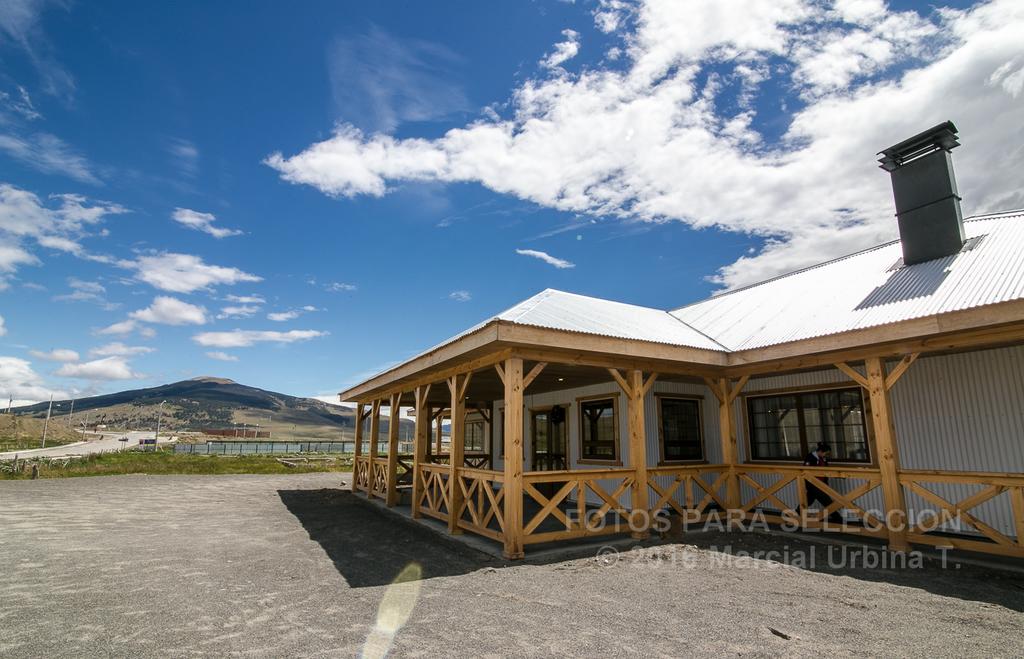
{"x":520,"y":488}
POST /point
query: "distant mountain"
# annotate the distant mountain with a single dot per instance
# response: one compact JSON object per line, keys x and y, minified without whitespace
{"x":215,"y":403}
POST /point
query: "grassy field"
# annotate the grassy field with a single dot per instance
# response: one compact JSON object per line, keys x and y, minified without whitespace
{"x":23,"y":432}
{"x":167,"y":462}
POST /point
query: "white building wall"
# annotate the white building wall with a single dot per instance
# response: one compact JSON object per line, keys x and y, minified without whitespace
{"x":960,"y":412}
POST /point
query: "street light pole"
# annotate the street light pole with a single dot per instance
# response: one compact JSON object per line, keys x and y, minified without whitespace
{"x":159,"y":415}
{"x":46,"y":423}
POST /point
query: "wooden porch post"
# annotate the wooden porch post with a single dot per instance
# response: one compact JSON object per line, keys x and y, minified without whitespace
{"x":357,"y":450}
{"x":457,"y":385}
{"x":374,"y":439}
{"x":638,"y":453}
{"x":421,"y":439}
{"x":888,"y":453}
{"x":394,"y":423}
{"x":726,"y":395}
{"x":512,"y":375}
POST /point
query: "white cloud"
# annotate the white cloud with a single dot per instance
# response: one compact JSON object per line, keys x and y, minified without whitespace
{"x":564,"y":50}
{"x":460,"y":296}
{"x":379,"y":81}
{"x":48,"y":154}
{"x":291,"y":314}
{"x":202,"y":222}
{"x":222,"y":356}
{"x":340,"y":287}
{"x":24,"y":216}
{"x":561,"y":264}
{"x":56,"y":355}
{"x":185,"y":156}
{"x":86,"y":291}
{"x":245,"y":338}
{"x":17,"y":379}
{"x":245,"y":299}
{"x":185,"y":273}
{"x":671,"y":132}
{"x":108,"y":368}
{"x":237,"y":311}
{"x":171,"y":311}
{"x":120,"y":328}
{"x":118,"y":349}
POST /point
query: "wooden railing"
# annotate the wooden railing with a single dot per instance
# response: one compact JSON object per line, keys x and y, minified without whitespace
{"x":583,"y":520}
{"x":482,"y":496}
{"x":403,"y":475}
{"x":379,"y":477}
{"x":857,"y":482}
{"x":697,"y":485}
{"x":471,"y":460}
{"x":952,"y":511}
{"x":776,"y":493}
{"x":433,"y":490}
{"x":361,"y":473}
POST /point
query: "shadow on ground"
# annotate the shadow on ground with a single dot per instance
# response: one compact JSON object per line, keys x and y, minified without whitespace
{"x":948,"y":577}
{"x":370,"y":547}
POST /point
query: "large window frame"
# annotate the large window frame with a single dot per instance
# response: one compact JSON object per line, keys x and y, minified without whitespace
{"x":477,"y":419}
{"x":616,"y":459}
{"x":699,"y":402}
{"x":806,"y":446}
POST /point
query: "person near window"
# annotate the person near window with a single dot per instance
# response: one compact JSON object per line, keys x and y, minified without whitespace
{"x":819,"y":458}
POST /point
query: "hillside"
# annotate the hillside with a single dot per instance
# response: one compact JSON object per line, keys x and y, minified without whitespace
{"x":211,"y":403}
{"x":21,"y":432}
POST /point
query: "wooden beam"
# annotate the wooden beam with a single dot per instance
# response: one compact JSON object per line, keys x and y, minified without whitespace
{"x":621,"y":380}
{"x":900,"y":368}
{"x":853,"y":374}
{"x":421,"y":437}
{"x":501,"y":372}
{"x":394,"y":423}
{"x":888,"y":456}
{"x":357,"y":450}
{"x":649,"y":382}
{"x":532,"y":375}
{"x":730,"y":451}
{"x":638,"y":453}
{"x":456,"y":452}
{"x":513,"y":481}
{"x":718,"y":393}
{"x":738,"y":388}
{"x":374,"y":441}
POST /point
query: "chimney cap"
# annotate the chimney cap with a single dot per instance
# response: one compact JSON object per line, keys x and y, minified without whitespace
{"x":942,"y":136}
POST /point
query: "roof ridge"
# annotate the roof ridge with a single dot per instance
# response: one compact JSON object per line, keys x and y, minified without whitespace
{"x":972,"y":218}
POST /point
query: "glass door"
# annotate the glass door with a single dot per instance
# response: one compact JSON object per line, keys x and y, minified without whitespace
{"x":550,"y":441}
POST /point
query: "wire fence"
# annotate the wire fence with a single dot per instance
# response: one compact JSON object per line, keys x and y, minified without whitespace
{"x":264,"y":448}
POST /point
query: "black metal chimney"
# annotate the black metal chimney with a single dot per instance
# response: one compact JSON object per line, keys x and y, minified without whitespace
{"x":924,"y":187}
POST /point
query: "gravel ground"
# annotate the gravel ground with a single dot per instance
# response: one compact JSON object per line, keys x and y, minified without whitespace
{"x":291,"y":566}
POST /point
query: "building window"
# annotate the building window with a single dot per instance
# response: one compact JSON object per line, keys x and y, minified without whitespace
{"x":599,"y":430}
{"x":680,"y":429}
{"x":475,"y":436}
{"x":789,"y":426}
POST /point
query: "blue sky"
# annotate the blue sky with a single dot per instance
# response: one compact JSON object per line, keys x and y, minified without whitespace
{"x":295,"y":197}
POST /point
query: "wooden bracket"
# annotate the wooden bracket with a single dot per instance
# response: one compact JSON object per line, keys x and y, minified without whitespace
{"x":900,"y":369}
{"x":532,"y":375}
{"x":501,"y":372}
{"x":621,"y":380}
{"x":853,"y":374}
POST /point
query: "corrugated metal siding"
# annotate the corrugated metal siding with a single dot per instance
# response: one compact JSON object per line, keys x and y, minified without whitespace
{"x":962,"y":412}
{"x":864,"y":290}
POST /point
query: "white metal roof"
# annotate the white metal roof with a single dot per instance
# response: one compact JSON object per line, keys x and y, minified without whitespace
{"x":554,"y":309}
{"x":868,"y":289}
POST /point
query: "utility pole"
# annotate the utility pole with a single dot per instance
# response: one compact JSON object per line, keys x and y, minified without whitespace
{"x":46,"y":423}
{"x":71,"y":414}
{"x":159,"y":414}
